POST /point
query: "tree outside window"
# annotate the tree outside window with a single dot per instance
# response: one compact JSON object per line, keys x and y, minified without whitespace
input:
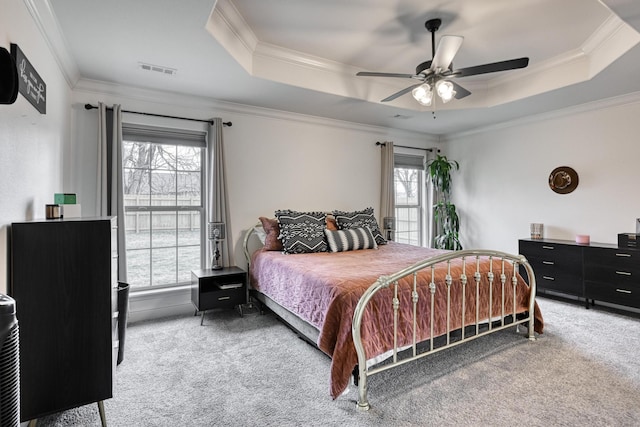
{"x":163,"y":212}
{"x":409,"y":210}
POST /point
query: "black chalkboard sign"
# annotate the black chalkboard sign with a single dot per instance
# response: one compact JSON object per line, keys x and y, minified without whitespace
{"x":30,"y":84}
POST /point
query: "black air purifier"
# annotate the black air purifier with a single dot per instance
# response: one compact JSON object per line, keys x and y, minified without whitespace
{"x":9,"y":364}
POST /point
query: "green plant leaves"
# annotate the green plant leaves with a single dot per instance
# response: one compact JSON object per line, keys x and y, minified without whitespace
{"x":448,"y":222}
{"x":440,"y":173}
{"x":445,"y":215}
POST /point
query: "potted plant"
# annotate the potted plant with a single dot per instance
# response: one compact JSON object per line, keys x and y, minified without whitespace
{"x":447,"y":222}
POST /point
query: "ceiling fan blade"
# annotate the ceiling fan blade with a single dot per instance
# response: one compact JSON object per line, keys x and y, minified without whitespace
{"x":373,"y":74}
{"x":460,"y":91}
{"x":400,"y":93}
{"x":494,"y":67}
{"x":447,"y":49}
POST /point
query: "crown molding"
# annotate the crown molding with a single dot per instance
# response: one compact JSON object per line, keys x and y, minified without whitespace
{"x":120,"y":94}
{"x":609,"y":41}
{"x":228,"y":27}
{"x":602,"y":104}
{"x":205,"y":108}
{"x":47,"y":23}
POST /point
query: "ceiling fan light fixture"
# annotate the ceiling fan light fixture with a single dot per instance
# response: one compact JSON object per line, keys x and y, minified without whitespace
{"x":445,"y":90}
{"x":440,"y":68}
{"x":423,"y":94}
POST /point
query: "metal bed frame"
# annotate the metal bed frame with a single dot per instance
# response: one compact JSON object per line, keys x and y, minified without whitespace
{"x":414,"y":352}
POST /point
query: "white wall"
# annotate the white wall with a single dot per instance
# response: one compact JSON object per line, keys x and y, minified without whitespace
{"x":502,"y":185}
{"x":32,"y":146}
{"x":274,"y":160}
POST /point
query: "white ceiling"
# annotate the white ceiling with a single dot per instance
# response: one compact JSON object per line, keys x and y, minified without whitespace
{"x":302,"y":55}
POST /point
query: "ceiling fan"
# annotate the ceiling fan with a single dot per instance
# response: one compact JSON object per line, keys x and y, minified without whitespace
{"x":436,"y":74}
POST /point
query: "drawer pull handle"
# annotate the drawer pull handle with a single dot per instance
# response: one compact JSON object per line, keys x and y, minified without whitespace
{"x":548,"y":278}
{"x":623,"y":273}
{"x":548,"y":247}
{"x":223,"y":298}
{"x":624,"y":255}
{"x":548,"y":262}
{"x":624,"y":291}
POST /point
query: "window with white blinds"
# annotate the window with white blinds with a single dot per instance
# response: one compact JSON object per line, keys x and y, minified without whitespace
{"x":164,"y":188}
{"x":409,"y":180}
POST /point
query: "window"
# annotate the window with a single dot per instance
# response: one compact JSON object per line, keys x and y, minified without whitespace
{"x":163,"y":201}
{"x":410,"y":195}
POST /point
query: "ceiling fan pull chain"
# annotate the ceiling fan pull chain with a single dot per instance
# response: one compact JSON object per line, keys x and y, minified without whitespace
{"x":433,"y":107}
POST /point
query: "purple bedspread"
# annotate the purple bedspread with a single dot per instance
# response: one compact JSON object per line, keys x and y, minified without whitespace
{"x":324,"y":288}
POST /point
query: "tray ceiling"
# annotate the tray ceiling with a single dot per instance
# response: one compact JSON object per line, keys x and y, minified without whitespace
{"x":302,"y":55}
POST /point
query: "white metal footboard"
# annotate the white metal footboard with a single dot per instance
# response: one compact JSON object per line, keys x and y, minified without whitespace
{"x":467,"y":256}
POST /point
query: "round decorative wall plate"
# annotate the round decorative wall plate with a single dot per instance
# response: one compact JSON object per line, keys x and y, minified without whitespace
{"x":563,"y":180}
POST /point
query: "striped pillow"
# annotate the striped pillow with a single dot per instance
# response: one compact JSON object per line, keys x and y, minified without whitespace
{"x":351,"y":239}
{"x":357,"y":219}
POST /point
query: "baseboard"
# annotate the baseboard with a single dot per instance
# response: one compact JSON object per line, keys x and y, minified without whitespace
{"x":158,"y":303}
{"x":622,"y":309}
{"x":158,"y":313}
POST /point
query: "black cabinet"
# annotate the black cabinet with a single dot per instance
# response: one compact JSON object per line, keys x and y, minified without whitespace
{"x":63,"y":278}
{"x":596,"y":271}
{"x":557,"y":265}
{"x":224,"y":288}
{"x":613,"y":275}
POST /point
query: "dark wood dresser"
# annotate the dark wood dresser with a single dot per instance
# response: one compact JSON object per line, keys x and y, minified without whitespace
{"x":612,"y":274}
{"x":597,"y":271}
{"x":63,"y":278}
{"x":557,"y":265}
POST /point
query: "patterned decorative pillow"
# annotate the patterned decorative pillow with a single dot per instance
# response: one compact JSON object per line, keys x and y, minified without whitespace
{"x":272,"y":230}
{"x":350,"y":240}
{"x":302,"y":232}
{"x":358,"y":219}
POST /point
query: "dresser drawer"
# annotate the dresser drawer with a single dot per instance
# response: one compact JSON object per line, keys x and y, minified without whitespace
{"x":541,"y":269}
{"x":565,"y":284}
{"x":553,"y":257}
{"x":628,"y":260}
{"x":612,"y":274}
{"x":616,"y":293}
{"x":556,"y":266}
{"x":222,"y":298}
{"x":553,"y":250}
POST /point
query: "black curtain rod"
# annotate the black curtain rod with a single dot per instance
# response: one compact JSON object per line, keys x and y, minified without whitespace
{"x":405,"y":146}
{"x":91,"y":107}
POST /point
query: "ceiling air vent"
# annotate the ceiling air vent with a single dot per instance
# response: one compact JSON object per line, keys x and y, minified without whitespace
{"x":157,"y":68}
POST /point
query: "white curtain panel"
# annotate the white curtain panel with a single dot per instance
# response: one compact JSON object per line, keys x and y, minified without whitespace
{"x":218,"y":204}
{"x":110,"y":198}
{"x":387,"y":189}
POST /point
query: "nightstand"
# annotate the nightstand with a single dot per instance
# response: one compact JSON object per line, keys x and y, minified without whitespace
{"x":225,"y":288}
